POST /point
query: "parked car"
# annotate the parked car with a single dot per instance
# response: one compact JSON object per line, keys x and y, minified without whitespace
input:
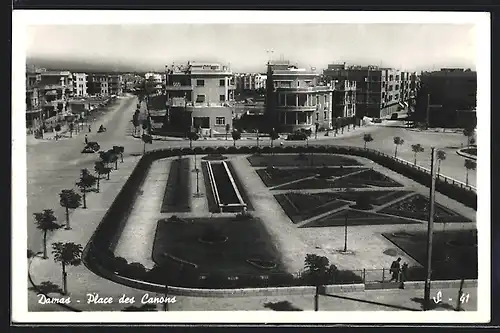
{"x":377,"y":120}
{"x":91,"y":147}
{"x":394,"y":116}
{"x":297,"y":136}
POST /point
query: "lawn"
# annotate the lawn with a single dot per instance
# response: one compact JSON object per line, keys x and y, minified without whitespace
{"x":245,"y":239}
{"x":273,"y":176}
{"x":300,"y":160}
{"x":454,"y":252}
{"x":417,"y":207}
{"x":354,"y":218}
{"x":374,"y":178}
{"x":302,"y":206}
{"x":177,"y":192}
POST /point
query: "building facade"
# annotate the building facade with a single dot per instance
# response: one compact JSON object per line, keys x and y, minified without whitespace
{"x":344,"y":99}
{"x":379,"y":91}
{"x":115,"y":84}
{"x":47,"y":94}
{"x":97,"y":84}
{"x":80,"y":84}
{"x":296,"y":99}
{"x":200,"y":96}
{"x":447,"y":97}
{"x":250,"y":81}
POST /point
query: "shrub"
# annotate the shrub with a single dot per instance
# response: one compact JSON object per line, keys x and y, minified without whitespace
{"x":209,"y":150}
{"x":244,"y":150}
{"x":232,"y":150}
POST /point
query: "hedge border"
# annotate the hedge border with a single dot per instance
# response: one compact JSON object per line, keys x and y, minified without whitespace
{"x":113,"y":221}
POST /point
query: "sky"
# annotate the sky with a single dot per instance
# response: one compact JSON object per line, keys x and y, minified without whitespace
{"x":247,"y":47}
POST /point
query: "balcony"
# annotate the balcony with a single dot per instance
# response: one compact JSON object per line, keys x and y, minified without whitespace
{"x":52,"y":87}
{"x":291,"y":108}
{"x":305,"y":89}
{"x":178,"y":88}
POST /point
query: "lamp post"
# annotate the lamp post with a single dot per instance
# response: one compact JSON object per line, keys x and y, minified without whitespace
{"x":430,"y":226}
{"x":345,"y":233}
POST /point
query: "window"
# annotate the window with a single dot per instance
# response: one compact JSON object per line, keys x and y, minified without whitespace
{"x":390,"y":87}
{"x":383,"y":84}
{"x":200,"y":98}
{"x":397,"y":87}
{"x":222,"y":82}
{"x":222,"y":98}
{"x":391,"y":77}
{"x":396,"y":96}
{"x":200,"y":83}
{"x":324,"y":115}
{"x":383,"y":94}
{"x":397,"y":77}
{"x":317,"y":116}
{"x":220,"y":121}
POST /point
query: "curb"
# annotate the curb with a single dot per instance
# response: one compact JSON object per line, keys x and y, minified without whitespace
{"x":469,"y":156}
{"x":35,"y":286}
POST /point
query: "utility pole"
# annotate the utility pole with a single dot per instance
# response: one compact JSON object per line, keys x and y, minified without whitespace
{"x":430,"y":227}
{"x":345,"y":233}
{"x":427,"y":112}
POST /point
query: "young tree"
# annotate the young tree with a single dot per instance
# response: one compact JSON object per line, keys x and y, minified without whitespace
{"x":316,"y":128}
{"x":71,"y":129}
{"x":135,"y":121}
{"x":46,"y":221}
{"x":146,"y":138}
{"x":85,"y":183}
{"x":469,"y":133}
{"x":273,"y":135}
{"x":68,"y":254}
{"x":119,"y":150}
{"x":101,"y":169}
{"x":441,"y":156}
{"x":318,"y":269}
{"x":398,"y":142}
{"x":367,"y":138}
{"x":57,"y":128}
{"x":192,"y":136}
{"x":416,"y":149}
{"x":236,"y":136}
{"x":113,"y":157}
{"x":69,"y":199}
{"x":228,"y":129}
{"x":469,"y":165}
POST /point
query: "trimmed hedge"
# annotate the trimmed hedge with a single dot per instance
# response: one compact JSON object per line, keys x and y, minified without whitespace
{"x":101,"y":245}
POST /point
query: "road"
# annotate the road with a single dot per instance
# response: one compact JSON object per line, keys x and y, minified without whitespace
{"x":55,"y":165}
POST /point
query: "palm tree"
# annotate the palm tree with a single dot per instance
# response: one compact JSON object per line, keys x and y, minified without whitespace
{"x":46,"y":221}
{"x":101,"y":169}
{"x":67,"y":254}
{"x":469,"y":165}
{"x":367,"y":138}
{"x":398,"y":142}
{"x":86,"y":182}
{"x":236,"y":136}
{"x":192,"y":136}
{"x":441,"y":156}
{"x":273,"y":135}
{"x":416,"y":149}
{"x":69,"y":199}
{"x":468,"y":132}
{"x":228,"y":129}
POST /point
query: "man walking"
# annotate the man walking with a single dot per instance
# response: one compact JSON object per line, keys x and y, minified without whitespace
{"x":86,"y":139}
{"x":395,"y":270}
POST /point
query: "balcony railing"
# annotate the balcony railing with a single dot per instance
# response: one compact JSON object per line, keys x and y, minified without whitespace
{"x":297,"y":108}
{"x":178,"y":88}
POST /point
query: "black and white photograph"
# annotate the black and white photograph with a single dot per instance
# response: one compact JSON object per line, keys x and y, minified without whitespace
{"x":251,"y":166}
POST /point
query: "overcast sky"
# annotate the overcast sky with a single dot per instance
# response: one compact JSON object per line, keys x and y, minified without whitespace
{"x":246,"y":46}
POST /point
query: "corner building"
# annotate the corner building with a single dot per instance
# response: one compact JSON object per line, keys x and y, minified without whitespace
{"x":200,"y":96}
{"x":296,"y":99}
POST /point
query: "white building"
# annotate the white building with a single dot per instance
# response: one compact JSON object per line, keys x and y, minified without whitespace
{"x":80,"y":84}
{"x":250,"y":81}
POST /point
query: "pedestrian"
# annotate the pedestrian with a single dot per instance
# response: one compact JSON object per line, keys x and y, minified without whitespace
{"x":402,"y":278}
{"x":90,"y":128}
{"x":86,"y":139}
{"x":395,"y":270}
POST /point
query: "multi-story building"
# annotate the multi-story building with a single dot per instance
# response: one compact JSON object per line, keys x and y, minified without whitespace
{"x":378,"y":90}
{"x":250,"y":81}
{"x":158,"y":79}
{"x":80,"y":84}
{"x":447,"y":97}
{"x":344,"y":99}
{"x":97,"y":84}
{"x":296,"y":98}
{"x":200,"y":96}
{"x":47,"y":93}
{"x":115,"y":84}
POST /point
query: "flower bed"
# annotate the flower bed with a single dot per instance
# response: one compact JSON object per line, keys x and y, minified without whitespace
{"x":177,"y":192}
{"x":292,"y":160}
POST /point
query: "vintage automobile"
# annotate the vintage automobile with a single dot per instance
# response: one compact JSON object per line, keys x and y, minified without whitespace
{"x":91,"y":147}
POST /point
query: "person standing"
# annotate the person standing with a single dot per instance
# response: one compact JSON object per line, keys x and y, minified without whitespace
{"x":86,"y":139}
{"x":395,"y":267}
{"x":402,"y":277}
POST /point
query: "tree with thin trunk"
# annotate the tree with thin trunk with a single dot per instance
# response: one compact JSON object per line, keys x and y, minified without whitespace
{"x":236,"y":136}
{"x":416,"y":149}
{"x":71,"y":129}
{"x":86,"y":182}
{"x":192,"y":136}
{"x":69,"y":199}
{"x":367,"y":138}
{"x":397,"y":142}
{"x":68,"y":254}
{"x":273,"y":135}
{"x":101,"y":169}
{"x":113,"y":157}
{"x":469,"y":165}
{"x":146,"y":138}
{"x":46,"y":221}
{"x":468,"y":132}
{"x":228,"y":129}
{"x":316,"y":128}
{"x":441,"y":156}
{"x":118,"y":150}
